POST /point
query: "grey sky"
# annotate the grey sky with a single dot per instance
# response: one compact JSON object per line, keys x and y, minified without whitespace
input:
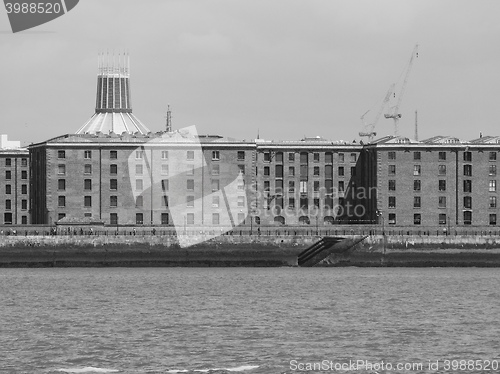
{"x":285,"y":68}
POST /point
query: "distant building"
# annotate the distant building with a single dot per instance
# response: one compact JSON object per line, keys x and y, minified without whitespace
{"x":14,"y":189}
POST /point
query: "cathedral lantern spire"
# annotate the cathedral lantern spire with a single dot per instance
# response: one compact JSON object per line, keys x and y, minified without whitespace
{"x":113,"y":109}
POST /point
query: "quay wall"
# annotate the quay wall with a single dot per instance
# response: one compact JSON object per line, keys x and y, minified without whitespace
{"x":129,"y":247}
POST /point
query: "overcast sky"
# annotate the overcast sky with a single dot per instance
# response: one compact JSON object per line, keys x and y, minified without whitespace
{"x":284,"y":68}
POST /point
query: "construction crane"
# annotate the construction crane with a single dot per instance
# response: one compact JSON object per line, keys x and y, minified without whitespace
{"x":394,"y":114}
{"x":369,"y":129}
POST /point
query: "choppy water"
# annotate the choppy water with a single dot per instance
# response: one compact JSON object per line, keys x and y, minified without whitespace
{"x":246,"y":320}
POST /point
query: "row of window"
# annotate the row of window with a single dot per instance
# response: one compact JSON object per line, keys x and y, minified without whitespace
{"x":304,"y":157}
{"x":442,"y":218}
{"x":417,"y":155}
{"x":7,"y":219}
{"x":8,"y":174}
{"x":279,"y":187}
{"x":24,"y":189}
{"x":304,"y":171}
{"x":8,"y":162}
{"x":8,"y":204}
{"x":467,"y":169}
{"x":139,"y":155}
{"x":467,"y":202}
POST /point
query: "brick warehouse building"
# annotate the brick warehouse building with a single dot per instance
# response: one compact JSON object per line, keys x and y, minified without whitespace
{"x":14,"y":174}
{"x":114,"y":170}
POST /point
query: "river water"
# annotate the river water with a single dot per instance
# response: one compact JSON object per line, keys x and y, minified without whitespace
{"x":250,"y":320}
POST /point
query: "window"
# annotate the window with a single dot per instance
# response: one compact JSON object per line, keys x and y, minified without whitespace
{"x":164,"y":218}
{"x":303,"y":203}
{"x":24,"y":162}
{"x":442,"y":201}
{"x":61,"y":169}
{"x":304,"y":157}
{"x":139,"y":218}
{"x":215,"y":219}
{"x":304,"y":171}
{"x":87,"y":154}
{"x":190,"y":218}
{"x":241,"y":184}
{"x":442,"y":169}
{"x":138,"y":185}
{"x":190,"y":201}
{"x":190,"y":184}
{"x":417,"y":201}
{"x":267,"y":156}
{"x":60,"y":216}
{"x":87,"y":169}
{"x":353,"y":171}
{"x":417,"y":185}
{"x":24,"y":219}
{"x":467,"y":185}
{"x":164,"y":184}
{"x":417,"y":156}
{"x":341,"y":171}
{"x":279,"y":186}
{"x":442,"y":218}
{"x":442,"y":185}
{"x":291,"y":203}
{"x":417,"y":170}
{"x":215,"y":201}
{"x":328,"y":158}
{"x":328,"y":171}
{"x":493,"y":219}
{"x":341,"y":157}
{"x":8,"y":189}
{"x":215,"y":155}
{"x":113,"y":184}
{"x":493,"y":156}
{"x":316,"y":186}
{"x":417,"y":219}
{"x":468,"y":170}
{"x":87,"y":201}
{"x":113,"y":201}
{"x":392,"y":169}
{"x":8,"y":174}
{"x":87,"y":184}
{"x":241,"y":201}
{"x":113,"y":218}
{"x":279,"y":171}
{"x":8,"y":204}
{"x":113,"y":155}
{"x":164,"y":169}
{"x":493,"y":202}
{"x":279,"y":157}
{"x":316,"y":203}
{"x":442,"y":156}
{"x":139,"y":155}
{"x":468,"y":156}
{"x":190,"y":155}
{"x":353,"y":157}
{"x":291,"y":186}
{"x":61,"y":154}
{"x":267,"y":187}
{"x":492,"y":169}
{"x":391,"y":155}
{"x":24,"y":189}
{"x":266,"y":170}
{"x":215,"y":185}
{"x":392,"y":201}
{"x":316,"y":171}
{"x":138,"y":169}
{"x":164,"y":155}
{"x":315,"y":157}
{"x":392,"y":218}
{"x":291,"y":171}
{"x":24,"y":204}
{"x":241,"y":155}
{"x":467,"y":202}
{"x":341,"y":186}
{"x":467,"y":217}
{"x":190,"y":169}
{"x":139,"y":202}
{"x":303,"y":187}
{"x":7,"y":218}
{"x":24,"y":174}
{"x":493,"y":186}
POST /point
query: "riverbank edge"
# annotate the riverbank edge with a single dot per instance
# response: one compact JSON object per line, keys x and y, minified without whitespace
{"x":244,"y":251}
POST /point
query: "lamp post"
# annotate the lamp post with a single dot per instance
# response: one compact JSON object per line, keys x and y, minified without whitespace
{"x":381,"y":216}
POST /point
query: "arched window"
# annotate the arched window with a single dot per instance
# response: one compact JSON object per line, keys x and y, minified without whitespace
{"x":280,"y":220}
{"x":328,"y":220}
{"x":304,"y":220}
